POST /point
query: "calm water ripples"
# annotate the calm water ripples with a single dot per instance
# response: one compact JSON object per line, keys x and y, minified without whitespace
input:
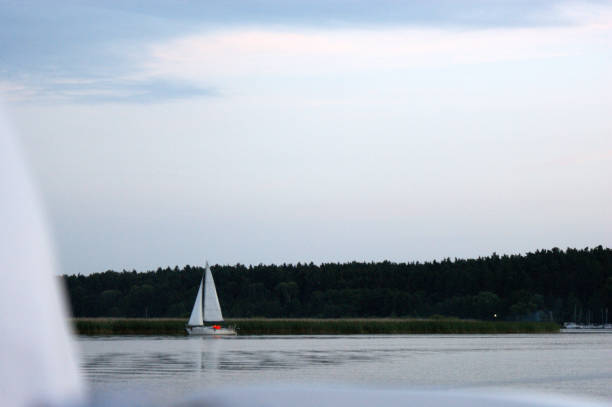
{"x":168,"y":368}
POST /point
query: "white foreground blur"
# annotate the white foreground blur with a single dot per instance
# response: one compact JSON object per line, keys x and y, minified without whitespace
{"x":37,"y":359}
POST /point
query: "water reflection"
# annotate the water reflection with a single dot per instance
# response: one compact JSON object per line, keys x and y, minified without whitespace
{"x":244,"y":360}
{"x":209,"y":357}
{"x":170,"y":365}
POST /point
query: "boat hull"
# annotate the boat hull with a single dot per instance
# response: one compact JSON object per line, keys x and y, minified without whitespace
{"x":209,"y":331}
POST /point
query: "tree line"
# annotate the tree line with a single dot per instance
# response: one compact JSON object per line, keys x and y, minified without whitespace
{"x":561,"y":285}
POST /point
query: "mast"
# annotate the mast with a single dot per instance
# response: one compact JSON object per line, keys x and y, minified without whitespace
{"x":196,"y":314}
{"x":212,"y":309}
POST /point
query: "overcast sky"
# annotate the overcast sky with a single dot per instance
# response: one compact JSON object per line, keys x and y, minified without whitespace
{"x":170,"y":132}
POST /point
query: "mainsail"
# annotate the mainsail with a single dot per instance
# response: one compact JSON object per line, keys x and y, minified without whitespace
{"x":212,"y":309}
{"x":196,"y":314}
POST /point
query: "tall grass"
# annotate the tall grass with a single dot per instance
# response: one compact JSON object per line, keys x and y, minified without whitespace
{"x":385,"y":326}
{"x":308,"y":326}
{"x":129,"y":326}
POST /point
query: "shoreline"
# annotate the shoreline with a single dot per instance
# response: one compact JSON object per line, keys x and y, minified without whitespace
{"x":312,"y":326}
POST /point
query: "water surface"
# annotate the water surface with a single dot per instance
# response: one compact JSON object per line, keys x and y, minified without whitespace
{"x":169,"y":368}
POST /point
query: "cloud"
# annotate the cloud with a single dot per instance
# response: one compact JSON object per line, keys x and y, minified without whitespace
{"x":45,"y":46}
{"x":87,"y":38}
{"x":146,"y":91}
{"x":90,"y":91}
{"x":245,"y":52}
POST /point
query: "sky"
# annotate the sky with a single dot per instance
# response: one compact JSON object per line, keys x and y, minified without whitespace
{"x":165,"y":133}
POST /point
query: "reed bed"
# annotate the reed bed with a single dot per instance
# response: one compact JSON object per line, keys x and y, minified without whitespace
{"x":311,"y":326}
{"x":129,"y":326}
{"x":385,"y":326}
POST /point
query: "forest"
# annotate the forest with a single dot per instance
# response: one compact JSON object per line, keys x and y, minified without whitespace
{"x":558,"y":285}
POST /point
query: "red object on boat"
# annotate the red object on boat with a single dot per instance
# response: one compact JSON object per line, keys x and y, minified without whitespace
{"x":216,"y":327}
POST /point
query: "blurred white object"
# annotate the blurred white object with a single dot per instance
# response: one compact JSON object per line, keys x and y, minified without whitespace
{"x":37,"y":361}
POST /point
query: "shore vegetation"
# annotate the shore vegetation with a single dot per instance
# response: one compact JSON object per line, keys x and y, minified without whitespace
{"x":313,"y":326}
{"x":546,"y":285}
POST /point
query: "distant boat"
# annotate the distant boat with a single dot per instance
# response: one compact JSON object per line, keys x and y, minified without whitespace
{"x":211,"y":312}
{"x":573,"y":325}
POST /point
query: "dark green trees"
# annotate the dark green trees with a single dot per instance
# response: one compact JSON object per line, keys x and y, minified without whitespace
{"x":556,"y":283}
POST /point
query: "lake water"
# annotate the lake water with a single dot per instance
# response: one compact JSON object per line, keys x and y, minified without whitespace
{"x":166,"y":369}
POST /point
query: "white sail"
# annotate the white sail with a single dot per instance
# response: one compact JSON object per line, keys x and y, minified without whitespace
{"x":196,"y":314}
{"x":212,"y":309}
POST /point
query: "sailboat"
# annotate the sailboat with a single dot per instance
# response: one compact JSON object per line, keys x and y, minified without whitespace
{"x":211,"y":312}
